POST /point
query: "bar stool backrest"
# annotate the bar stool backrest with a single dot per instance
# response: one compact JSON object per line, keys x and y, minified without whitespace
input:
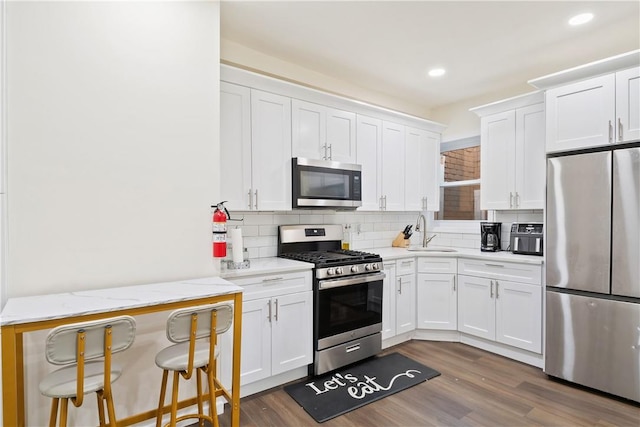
{"x":61,"y":341}
{"x":179,"y":322}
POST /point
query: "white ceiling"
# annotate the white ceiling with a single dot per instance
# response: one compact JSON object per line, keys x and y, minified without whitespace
{"x":388,"y":46}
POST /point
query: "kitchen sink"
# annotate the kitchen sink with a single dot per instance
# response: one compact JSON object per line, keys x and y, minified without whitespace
{"x":430,"y":249}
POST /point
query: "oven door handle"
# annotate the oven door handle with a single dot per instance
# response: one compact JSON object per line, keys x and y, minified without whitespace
{"x":348,"y":281}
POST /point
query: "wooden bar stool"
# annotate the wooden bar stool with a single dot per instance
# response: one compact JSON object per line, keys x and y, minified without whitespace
{"x":80,"y":345}
{"x":189,"y":329}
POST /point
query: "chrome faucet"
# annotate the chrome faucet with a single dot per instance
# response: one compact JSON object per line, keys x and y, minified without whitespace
{"x":423,"y":229}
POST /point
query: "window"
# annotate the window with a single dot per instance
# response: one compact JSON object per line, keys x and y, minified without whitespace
{"x":460,"y":181}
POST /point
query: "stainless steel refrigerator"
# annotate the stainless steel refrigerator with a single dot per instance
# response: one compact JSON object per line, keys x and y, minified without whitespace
{"x":593,"y":269}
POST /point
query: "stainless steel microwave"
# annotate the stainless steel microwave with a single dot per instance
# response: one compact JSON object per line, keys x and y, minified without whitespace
{"x":325,"y":184}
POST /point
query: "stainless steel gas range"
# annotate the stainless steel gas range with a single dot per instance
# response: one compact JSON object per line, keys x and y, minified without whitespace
{"x":347,"y":294}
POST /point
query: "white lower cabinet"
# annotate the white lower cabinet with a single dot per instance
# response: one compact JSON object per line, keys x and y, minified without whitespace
{"x":399,"y":298}
{"x":500,"y":310}
{"x":276,"y":325}
{"x":437,"y":294}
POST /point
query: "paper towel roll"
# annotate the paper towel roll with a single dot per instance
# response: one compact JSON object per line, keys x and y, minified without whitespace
{"x":237,"y":245}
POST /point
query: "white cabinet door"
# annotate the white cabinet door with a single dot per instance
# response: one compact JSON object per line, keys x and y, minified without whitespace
{"x":271,"y":150}
{"x":497,"y":164}
{"x":369,"y":145}
{"x":431,"y":171}
{"x":291,"y":343}
{"x":519,"y":315}
{"x":405,"y":303}
{"x":341,"y":135}
{"x":422,"y":160}
{"x":476,"y":307}
{"x":235,"y":145}
{"x":530,"y":160}
{"x":256,"y":341}
{"x":392,"y":176}
{"x":308,"y":124}
{"x":628,"y":105}
{"x":437,"y":302}
{"x":389,"y":300}
{"x":581,"y":114}
{"x":321,"y":132}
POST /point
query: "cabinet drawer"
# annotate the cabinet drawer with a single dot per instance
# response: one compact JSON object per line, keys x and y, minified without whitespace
{"x":503,"y":270}
{"x":270,"y":285}
{"x":406,"y":266}
{"x":437,"y":265}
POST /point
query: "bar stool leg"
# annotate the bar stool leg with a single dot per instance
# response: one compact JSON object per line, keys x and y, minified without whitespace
{"x":199,"y":386}
{"x":174,"y":398}
{"x":111,"y":410}
{"x":54,"y":412}
{"x":213,"y":410}
{"x":163,"y":390}
{"x":100,"y":407}
{"x":63,"y":412}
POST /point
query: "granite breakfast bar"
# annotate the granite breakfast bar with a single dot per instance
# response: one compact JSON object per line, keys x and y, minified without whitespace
{"x":41,"y":312}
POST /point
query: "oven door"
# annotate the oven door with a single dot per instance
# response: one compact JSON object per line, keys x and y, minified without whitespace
{"x":347,"y":308}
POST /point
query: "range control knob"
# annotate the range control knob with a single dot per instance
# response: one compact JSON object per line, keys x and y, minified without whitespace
{"x":375,"y":266}
{"x":330,"y":272}
{"x":354,"y":268}
{"x":367,"y":267}
{"x":338,"y":270}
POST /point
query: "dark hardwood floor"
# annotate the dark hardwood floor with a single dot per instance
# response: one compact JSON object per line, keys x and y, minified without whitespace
{"x":476,"y":388}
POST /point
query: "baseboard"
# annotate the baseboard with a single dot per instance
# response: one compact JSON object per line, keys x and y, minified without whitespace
{"x":514,"y":353}
{"x":274,"y":381}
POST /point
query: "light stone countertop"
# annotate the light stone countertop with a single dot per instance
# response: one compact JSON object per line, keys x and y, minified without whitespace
{"x":68,"y":304}
{"x":272,"y":265}
{"x":389,"y":254}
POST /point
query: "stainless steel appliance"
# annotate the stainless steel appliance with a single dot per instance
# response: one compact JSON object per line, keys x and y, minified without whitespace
{"x":490,"y":233}
{"x":526,"y":238}
{"x":325,"y":184}
{"x":593,"y":269}
{"x":347,"y":294}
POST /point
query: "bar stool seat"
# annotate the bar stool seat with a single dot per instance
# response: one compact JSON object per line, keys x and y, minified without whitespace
{"x":62,"y":383}
{"x":176,"y":357}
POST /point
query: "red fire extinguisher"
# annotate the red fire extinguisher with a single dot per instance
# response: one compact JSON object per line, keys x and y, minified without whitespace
{"x":220,"y":216}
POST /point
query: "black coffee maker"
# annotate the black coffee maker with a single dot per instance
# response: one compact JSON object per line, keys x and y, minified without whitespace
{"x":490,"y":236}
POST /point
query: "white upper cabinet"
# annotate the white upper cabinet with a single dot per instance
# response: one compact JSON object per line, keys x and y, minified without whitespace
{"x":369,"y":146}
{"x":512,"y":153}
{"x":593,"y":105}
{"x":270,"y":151}
{"x":255,"y":148}
{"x":321,"y":132}
{"x":392,"y":170}
{"x":581,"y":114}
{"x":628,"y":105}
{"x":235,"y":146}
{"x":422,"y":160}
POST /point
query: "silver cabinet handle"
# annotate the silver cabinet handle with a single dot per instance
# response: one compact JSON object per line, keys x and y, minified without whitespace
{"x":273,"y":279}
{"x":325,"y":151}
{"x":610,"y":132}
{"x":269,"y":317}
{"x":330,"y":152}
{"x":510,"y":199}
{"x":454,"y":283}
{"x":276,"y":316}
{"x":497,"y":287}
{"x":385,"y":203}
{"x":400,"y":285}
{"x":250,"y":199}
{"x":517,"y":200}
{"x":491,"y":290}
{"x":619,"y":129}
{"x":256,"y":199}
{"x":380,"y":203}
{"x":493,"y":265}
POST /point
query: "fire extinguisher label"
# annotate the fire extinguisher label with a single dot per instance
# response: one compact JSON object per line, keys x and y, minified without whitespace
{"x":219,"y":227}
{"x":219,"y":238}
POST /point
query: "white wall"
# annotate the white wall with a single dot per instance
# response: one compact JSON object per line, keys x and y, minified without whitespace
{"x":113,"y":144}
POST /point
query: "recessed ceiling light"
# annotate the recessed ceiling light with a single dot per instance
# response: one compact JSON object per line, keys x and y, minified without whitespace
{"x":580,"y":19}
{"x":437,"y":72}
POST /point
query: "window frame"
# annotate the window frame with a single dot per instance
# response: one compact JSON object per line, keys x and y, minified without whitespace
{"x":453,"y":225}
